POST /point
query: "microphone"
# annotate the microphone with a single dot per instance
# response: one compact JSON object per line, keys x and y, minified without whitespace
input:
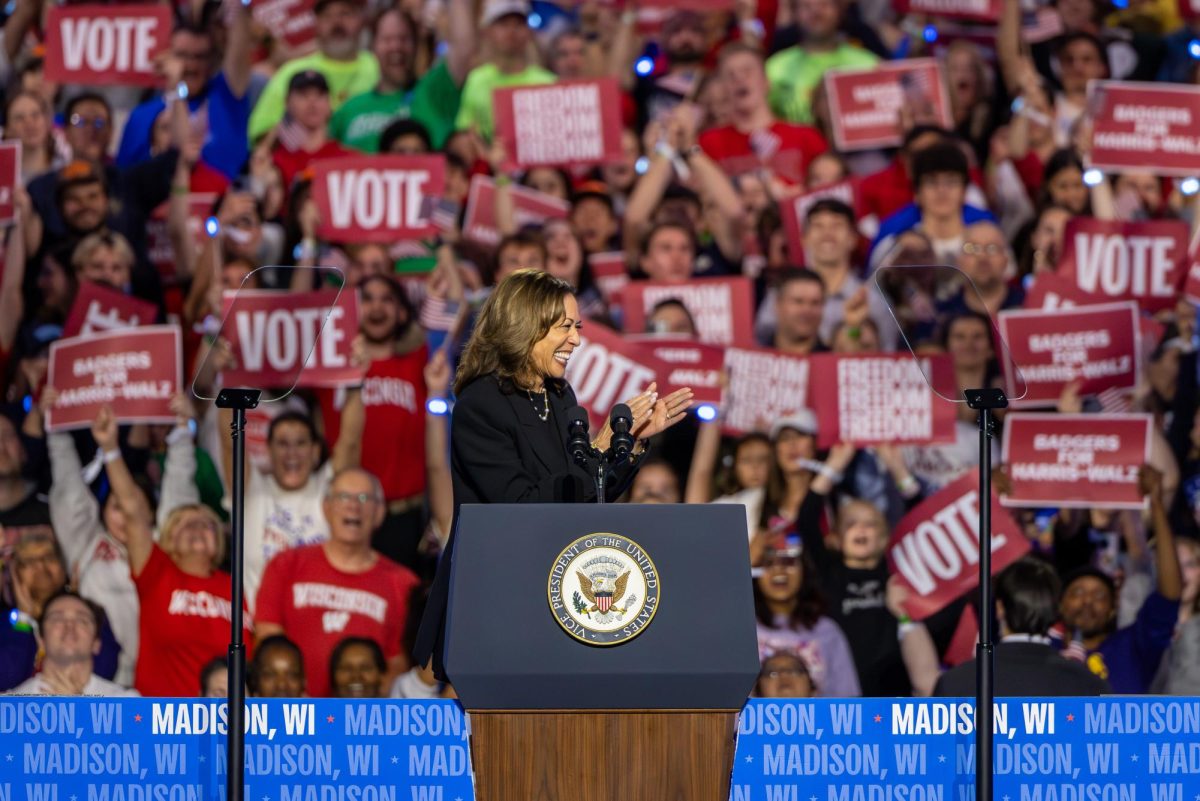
{"x":577,"y":430}
{"x":621,"y":421}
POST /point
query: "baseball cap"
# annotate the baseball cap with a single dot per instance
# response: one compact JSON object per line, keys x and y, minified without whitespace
{"x":802,"y":420}
{"x":682,"y":19}
{"x":308,"y":79}
{"x":320,"y":4}
{"x":497,"y":9}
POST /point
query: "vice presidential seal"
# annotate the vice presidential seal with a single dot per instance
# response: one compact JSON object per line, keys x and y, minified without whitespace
{"x":603,"y":589}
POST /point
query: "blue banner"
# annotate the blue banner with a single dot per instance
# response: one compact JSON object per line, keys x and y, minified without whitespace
{"x":141,"y":749}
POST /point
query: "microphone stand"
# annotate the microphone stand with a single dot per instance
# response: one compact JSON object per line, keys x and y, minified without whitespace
{"x":985,"y":401}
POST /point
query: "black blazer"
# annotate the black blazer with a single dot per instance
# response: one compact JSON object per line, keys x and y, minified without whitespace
{"x":1025,"y":668}
{"x":501,"y":451}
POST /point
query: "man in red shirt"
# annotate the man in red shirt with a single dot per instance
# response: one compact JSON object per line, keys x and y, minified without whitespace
{"x":303,"y":135}
{"x":321,"y":594}
{"x":757,"y":141}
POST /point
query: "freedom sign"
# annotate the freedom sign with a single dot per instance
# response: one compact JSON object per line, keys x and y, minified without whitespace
{"x":795,"y":210}
{"x":376,"y":198}
{"x":1080,"y":461}
{"x":763,"y":385}
{"x":102,"y":45}
{"x":1150,"y":127}
{"x":982,"y":10}
{"x":934,"y":550}
{"x":609,"y":273}
{"x":723,"y":308}
{"x":865,"y":105}
{"x":10,"y":179}
{"x":569,"y":123}
{"x":136,"y":371}
{"x":687,"y":364}
{"x":606,"y":370}
{"x":271,"y":333}
{"x":529,"y":206}
{"x":99,"y":308}
{"x":1142,"y":261}
{"x":1097,"y":345}
{"x":881,"y":398}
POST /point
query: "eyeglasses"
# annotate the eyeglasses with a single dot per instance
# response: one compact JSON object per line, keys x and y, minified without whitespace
{"x":83,"y":621}
{"x":791,"y":673}
{"x":990,"y":249}
{"x":346,"y":497}
{"x":80,"y":121}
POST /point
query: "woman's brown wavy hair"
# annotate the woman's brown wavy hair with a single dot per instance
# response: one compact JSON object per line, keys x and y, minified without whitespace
{"x":519,"y":312}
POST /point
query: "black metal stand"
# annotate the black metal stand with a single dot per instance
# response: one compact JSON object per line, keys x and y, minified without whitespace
{"x":985,"y":401}
{"x":239,"y":400}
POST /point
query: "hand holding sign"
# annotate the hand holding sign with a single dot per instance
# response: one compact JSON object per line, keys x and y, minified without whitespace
{"x":104,"y":430}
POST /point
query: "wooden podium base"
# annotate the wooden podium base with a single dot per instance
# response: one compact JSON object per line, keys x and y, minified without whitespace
{"x":609,"y":755}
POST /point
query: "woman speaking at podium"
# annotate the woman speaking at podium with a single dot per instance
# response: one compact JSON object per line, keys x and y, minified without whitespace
{"x":508,"y":433}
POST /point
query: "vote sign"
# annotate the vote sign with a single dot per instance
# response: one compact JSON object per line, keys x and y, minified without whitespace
{"x":1082,"y":461}
{"x":376,"y":198}
{"x":136,"y":371}
{"x":723,"y":308}
{"x":934,"y":550}
{"x":884,"y":398}
{"x":1148,"y":127}
{"x":763,"y":385}
{"x":606,"y":370}
{"x":102,"y":45}
{"x":1098,"y":345}
{"x":98,"y":308}
{"x":1142,"y":261}
{"x":568,"y":123}
{"x":10,"y":179}
{"x":272,"y":333}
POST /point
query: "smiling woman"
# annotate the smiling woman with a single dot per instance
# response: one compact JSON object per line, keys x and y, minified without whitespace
{"x":509,"y":429}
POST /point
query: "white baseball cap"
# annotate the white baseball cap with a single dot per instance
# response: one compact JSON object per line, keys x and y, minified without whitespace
{"x":496,"y":9}
{"x":802,"y":420}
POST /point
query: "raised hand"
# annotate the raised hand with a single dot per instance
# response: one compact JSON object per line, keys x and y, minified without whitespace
{"x":663,"y":413}
{"x":104,"y":429}
{"x":437,"y":375}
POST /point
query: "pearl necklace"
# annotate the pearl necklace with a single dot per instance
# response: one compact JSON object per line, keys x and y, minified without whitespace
{"x":544,"y":414}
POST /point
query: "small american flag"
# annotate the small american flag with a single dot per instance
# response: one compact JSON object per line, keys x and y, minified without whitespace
{"x":765,"y":144}
{"x":1075,"y":649}
{"x":290,"y":134}
{"x":1043,"y":24}
{"x":1115,"y":401}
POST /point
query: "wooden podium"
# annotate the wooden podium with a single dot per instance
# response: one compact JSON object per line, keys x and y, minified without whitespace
{"x":554,"y":718}
{"x":590,"y":755}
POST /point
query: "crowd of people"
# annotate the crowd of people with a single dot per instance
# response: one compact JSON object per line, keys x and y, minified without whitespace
{"x":115,"y":538}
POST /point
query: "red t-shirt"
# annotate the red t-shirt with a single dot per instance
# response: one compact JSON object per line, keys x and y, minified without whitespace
{"x":319,"y":606}
{"x":784,"y":148}
{"x":393,"y":394}
{"x":184,"y":624}
{"x":293,"y":162}
{"x":885,"y":192}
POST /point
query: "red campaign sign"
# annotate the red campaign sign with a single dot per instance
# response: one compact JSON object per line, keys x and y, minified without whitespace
{"x":688,"y":364}
{"x":934,"y":550}
{"x":865,"y":105}
{"x":609,"y":273}
{"x":1052,"y":291}
{"x":606,"y":370}
{"x":763,"y":385}
{"x":1189,"y":9}
{"x":102,"y":45}
{"x":1191,"y":285}
{"x":376,"y":198}
{"x":883,"y":398}
{"x":158,"y":238}
{"x":271,"y":332}
{"x":723,"y":308}
{"x":135,"y":371}
{"x":1080,"y":461}
{"x":1099,"y":345}
{"x":98,"y":309}
{"x":561,"y":124}
{"x":530,"y":206}
{"x":796,"y":209}
{"x":10,"y":179}
{"x":1142,"y":261}
{"x":1149,"y":127}
{"x":294,"y":21}
{"x":983,"y":10}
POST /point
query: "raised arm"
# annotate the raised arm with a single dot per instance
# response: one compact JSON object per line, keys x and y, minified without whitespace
{"x":1170,"y":581}
{"x":460,"y":39}
{"x":439,"y":486}
{"x":179,"y":471}
{"x":137,"y":535}
{"x":74,"y":512}
{"x":704,"y":463}
{"x":12,"y":304}
{"x":238,"y":50}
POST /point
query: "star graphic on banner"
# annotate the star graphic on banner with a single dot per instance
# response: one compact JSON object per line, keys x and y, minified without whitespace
{"x":9,"y":758}
{"x":395,"y":760}
{"x":749,"y":758}
{"x":73,"y":797}
{"x":878,"y":718}
{"x":1005,"y":798}
{"x":202,"y":759}
{"x":941,"y":757}
{"x":266,"y":798}
{"x":137,"y":718}
{"x":1071,"y":718}
{"x":329,"y":719}
{"x":812,"y":798}
{"x":1134,"y":757}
